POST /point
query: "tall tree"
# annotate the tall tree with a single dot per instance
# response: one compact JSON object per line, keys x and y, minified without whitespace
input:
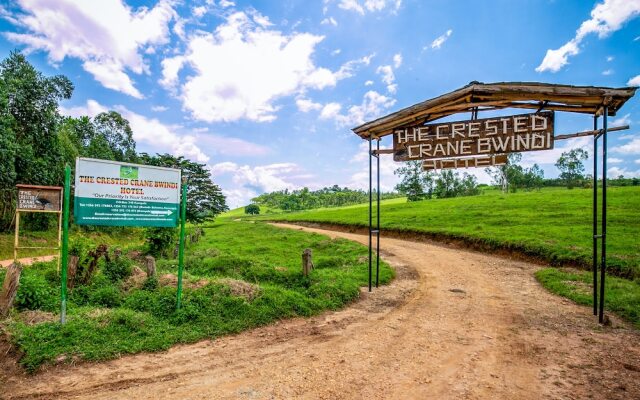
{"x":113,"y":130}
{"x":32,"y":102}
{"x":204,"y":198}
{"x":571,"y":167}
{"x":415,"y":183}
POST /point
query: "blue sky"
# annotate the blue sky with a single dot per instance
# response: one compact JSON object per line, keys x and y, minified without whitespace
{"x":266,"y":92}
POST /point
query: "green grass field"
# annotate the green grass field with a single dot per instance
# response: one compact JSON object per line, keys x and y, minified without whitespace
{"x":238,"y":276}
{"x":552,"y":224}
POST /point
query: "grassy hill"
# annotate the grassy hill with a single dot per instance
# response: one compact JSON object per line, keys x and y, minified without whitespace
{"x":554,"y":224}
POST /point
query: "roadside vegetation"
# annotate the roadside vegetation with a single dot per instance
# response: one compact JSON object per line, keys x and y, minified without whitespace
{"x":234,"y":280}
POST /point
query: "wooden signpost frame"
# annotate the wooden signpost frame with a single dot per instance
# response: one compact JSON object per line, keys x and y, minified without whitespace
{"x":16,"y":240}
{"x":475,"y":97}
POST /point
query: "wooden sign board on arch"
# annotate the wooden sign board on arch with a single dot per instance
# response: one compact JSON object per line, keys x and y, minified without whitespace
{"x":478,"y":137}
{"x":468,"y":162}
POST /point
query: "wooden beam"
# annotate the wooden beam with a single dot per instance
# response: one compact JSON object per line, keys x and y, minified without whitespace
{"x":590,"y":133}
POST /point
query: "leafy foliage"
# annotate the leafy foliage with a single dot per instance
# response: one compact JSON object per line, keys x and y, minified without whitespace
{"x":160,"y":240}
{"x":117,"y":269}
{"x":252,"y":209}
{"x":305,"y":199}
{"x":512,"y":176}
{"x":416,"y":184}
{"x":571,"y":167}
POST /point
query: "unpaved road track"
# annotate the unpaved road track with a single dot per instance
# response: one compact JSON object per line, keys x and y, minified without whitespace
{"x":498,"y":335}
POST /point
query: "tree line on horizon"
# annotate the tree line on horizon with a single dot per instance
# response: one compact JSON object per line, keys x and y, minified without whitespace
{"x":36,"y":142}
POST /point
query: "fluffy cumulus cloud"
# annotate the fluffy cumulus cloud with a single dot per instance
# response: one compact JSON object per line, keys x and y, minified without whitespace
{"x":606,"y":17}
{"x":108,"y":36}
{"x":633,"y":147}
{"x":635,"y":81}
{"x":251,"y":181}
{"x":240,"y":70}
{"x":306,"y":105}
{"x":439,"y":41}
{"x":373,"y":105}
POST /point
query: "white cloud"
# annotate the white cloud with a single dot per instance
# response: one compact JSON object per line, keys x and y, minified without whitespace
{"x":624,"y":120}
{"x":330,"y":111}
{"x":615,"y":172}
{"x":370,"y":5}
{"x":635,"y":81}
{"x":439,"y":41}
{"x":397,"y":61}
{"x":243,"y":68}
{"x":329,"y":21}
{"x":607,"y":72}
{"x":372,"y":106}
{"x":108,"y":36}
{"x":387,"y":74}
{"x":388,"y":77}
{"x":199,"y":11}
{"x":610,"y":58}
{"x":226,"y":3}
{"x":633,"y":147}
{"x":637,"y":161}
{"x":159,"y":108}
{"x":606,"y":17}
{"x":368,"y":83}
{"x":613,"y":160}
{"x":91,"y":109}
{"x":336,"y":52}
{"x":306,"y":105}
{"x":550,"y":157}
{"x":250,"y":181}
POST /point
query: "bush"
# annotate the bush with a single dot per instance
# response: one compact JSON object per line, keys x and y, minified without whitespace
{"x":117,"y":269}
{"x":160,"y":240}
{"x":35,"y":293}
{"x":150,"y":284}
{"x":105,"y":296}
{"x":252,"y":209}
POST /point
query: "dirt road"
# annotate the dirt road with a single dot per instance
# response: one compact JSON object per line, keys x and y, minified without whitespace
{"x":453,"y":325}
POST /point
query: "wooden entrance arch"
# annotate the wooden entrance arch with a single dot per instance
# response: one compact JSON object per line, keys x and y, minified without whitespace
{"x":477,"y":97}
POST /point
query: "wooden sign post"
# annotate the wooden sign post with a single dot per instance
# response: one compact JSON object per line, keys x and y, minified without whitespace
{"x":43,"y":199}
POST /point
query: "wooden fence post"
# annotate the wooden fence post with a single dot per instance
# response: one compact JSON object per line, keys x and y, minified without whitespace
{"x":150,"y":264}
{"x":10,"y":288}
{"x":307,"y":262}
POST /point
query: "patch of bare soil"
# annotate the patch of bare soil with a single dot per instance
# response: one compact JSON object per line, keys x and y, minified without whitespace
{"x":241,"y":288}
{"x":32,"y":317}
{"x":455,"y":324}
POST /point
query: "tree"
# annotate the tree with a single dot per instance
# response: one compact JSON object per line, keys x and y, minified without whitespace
{"x":113,"y":131}
{"x":32,"y":103}
{"x":252,"y":209}
{"x":509,"y":175}
{"x":571,"y":167}
{"x":204,"y":198}
{"x":416,"y":184}
{"x":450,"y":184}
{"x":533,"y":178}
